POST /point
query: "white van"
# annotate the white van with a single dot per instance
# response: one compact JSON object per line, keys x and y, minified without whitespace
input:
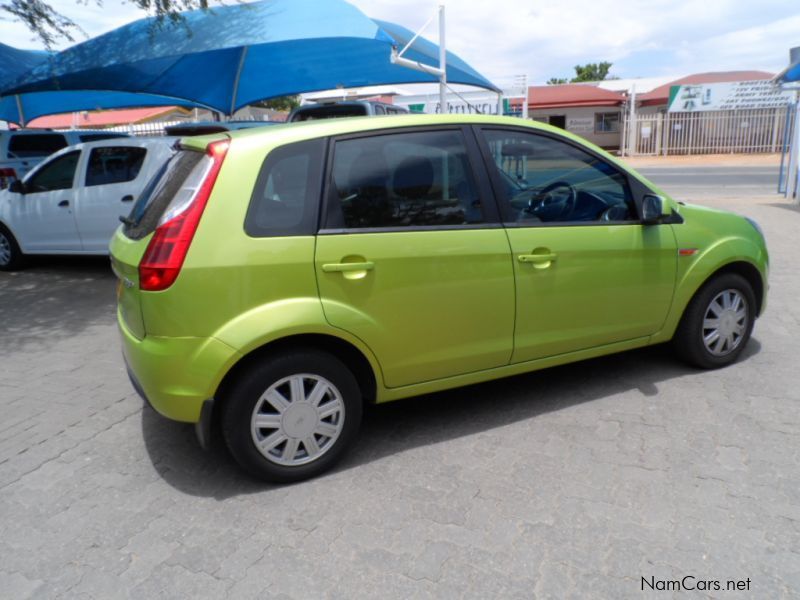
{"x":72,"y":202}
{"x":23,"y":149}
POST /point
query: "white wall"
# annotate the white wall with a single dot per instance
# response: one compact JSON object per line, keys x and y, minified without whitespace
{"x":581,"y":121}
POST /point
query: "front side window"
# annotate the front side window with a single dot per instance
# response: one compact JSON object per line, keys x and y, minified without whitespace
{"x":417,"y":179}
{"x":546,"y":180}
{"x":286,"y":197}
{"x":114,"y":165}
{"x":58,"y":174}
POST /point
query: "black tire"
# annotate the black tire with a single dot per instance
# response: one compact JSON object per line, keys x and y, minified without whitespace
{"x":689,"y":337}
{"x":11,"y":257}
{"x":245,"y":395}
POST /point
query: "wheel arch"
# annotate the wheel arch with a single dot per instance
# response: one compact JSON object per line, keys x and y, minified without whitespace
{"x":348,"y":353}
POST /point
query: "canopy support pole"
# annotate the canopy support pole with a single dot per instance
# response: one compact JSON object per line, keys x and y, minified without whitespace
{"x":440,"y":72}
{"x":20,"y":111}
{"x":236,"y":80}
{"x":442,"y":63}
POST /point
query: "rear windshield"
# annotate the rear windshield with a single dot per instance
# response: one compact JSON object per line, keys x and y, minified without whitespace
{"x":158,"y":193}
{"x":29,"y":145}
{"x":96,"y":137}
{"x":330,"y":112}
{"x":190,"y":130}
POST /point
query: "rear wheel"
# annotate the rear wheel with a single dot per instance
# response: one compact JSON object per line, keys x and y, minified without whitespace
{"x":717,"y":324}
{"x":293,"y":416}
{"x":11,"y":257}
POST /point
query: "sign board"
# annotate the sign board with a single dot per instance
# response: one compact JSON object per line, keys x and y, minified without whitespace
{"x":581,"y":125}
{"x":736,"y":95}
{"x":463,"y":103}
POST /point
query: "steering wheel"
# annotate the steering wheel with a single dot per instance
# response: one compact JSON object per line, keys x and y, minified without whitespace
{"x":554,"y":202}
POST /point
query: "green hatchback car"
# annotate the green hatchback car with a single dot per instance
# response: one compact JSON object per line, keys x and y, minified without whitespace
{"x":274,"y":280}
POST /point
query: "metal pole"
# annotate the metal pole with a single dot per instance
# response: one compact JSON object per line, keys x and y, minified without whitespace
{"x":525,"y":103}
{"x":442,"y":63}
{"x":632,"y":128}
{"x":20,"y":111}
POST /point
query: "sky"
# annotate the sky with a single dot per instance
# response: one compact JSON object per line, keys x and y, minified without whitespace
{"x":543,"y":38}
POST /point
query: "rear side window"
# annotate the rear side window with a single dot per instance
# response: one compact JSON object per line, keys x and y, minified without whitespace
{"x":159,"y":192}
{"x":286,"y":196}
{"x":420,"y":179}
{"x":32,"y":145}
{"x":114,"y":165}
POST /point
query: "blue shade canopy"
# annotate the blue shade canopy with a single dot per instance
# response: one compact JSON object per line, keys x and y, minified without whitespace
{"x":242,"y":53}
{"x":15,"y":62}
{"x":791,"y":74}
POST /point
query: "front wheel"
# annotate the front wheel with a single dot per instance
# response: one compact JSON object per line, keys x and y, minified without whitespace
{"x":717,"y":324}
{"x":293,"y":416}
{"x":11,"y":257}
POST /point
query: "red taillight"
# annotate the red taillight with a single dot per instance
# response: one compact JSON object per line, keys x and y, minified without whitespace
{"x":7,"y":175}
{"x":167,"y":249}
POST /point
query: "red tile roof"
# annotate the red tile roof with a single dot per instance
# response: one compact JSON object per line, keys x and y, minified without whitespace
{"x":570,"y":95}
{"x":660,"y":95}
{"x":105,"y":118}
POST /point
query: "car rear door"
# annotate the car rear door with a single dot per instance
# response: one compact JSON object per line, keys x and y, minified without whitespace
{"x":111,"y":177}
{"x":588,"y":272}
{"x":411,"y":257}
{"x":42,"y":218}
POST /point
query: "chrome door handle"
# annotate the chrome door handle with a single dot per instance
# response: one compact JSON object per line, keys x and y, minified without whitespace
{"x":348,"y":267}
{"x":536,"y":258}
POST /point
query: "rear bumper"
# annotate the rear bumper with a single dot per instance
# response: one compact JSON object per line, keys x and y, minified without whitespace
{"x":176,"y":376}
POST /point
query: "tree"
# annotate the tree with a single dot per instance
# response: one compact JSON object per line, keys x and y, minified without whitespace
{"x":591,"y":72}
{"x":50,"y":26}
{"x":588,"y":72}
{"x":286,"y":103}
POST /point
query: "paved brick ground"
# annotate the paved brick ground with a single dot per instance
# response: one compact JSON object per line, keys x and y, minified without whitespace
{"x":570,"y":483}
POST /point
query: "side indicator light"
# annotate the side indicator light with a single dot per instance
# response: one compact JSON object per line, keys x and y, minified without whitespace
{"x":687,"y":251}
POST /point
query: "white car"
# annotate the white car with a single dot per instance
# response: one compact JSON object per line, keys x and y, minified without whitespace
{"x":23,"y":149}
{"x":72,"y":202}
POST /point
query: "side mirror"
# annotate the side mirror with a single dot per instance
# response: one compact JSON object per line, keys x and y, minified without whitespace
{"x":654,"y":209}
{"x":17,"y":187}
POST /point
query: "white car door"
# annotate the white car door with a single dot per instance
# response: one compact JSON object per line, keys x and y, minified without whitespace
{"x":42,"y":219}
{"x":111,"y":179}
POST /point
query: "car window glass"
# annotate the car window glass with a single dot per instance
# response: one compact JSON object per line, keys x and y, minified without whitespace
{"x":58,"y":174}
{"x":403,"y":180}
{"x":96,"y":137}
{"x":548,"y":180}
{"x":32,"y":145}
{"x":286,"y":197}
{"x":114,"y":165}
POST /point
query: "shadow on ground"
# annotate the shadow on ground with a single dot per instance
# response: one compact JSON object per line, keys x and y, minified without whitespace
{"x":55,"y":297}
{"x":430,"y":419}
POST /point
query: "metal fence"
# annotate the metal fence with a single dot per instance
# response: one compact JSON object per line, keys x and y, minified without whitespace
{"x":713,"y":132}
{"x":142,"y":129}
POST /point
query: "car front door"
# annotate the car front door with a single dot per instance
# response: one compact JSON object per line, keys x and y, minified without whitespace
{"x":588,"y":272}
{"x":43,"y":217}
{"x":112,"y":177}
{"x":411,"y":257}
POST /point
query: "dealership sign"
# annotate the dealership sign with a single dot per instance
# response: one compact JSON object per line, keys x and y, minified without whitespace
{"x":736,"y":95}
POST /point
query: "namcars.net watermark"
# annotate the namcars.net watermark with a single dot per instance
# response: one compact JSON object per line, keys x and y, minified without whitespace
{"x":690,"y":583}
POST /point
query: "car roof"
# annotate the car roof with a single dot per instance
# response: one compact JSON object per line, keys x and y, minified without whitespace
{"x":63,"y":132}
{"x":302,"y":130}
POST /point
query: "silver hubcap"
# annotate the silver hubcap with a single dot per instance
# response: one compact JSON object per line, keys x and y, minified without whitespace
{"x":297,"y":420}
{"x":5,"y":250}
{"x":724,"y":323}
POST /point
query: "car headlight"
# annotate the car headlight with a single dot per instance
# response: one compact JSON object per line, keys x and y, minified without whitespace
{"x":756,"y":226}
